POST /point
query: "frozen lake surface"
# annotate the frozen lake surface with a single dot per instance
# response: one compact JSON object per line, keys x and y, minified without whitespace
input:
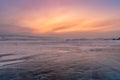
{"x":60,"y":60}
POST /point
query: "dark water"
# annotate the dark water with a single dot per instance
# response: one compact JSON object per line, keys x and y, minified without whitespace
{"x":79,"y":60}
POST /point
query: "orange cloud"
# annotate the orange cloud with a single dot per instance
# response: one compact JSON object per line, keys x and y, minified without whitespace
{"x":63,"y":20}
{"x":52,"y":20}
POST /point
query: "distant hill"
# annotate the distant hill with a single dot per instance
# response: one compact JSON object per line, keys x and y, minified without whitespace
{"x":23,"y":37}
{"x":116,"y":38}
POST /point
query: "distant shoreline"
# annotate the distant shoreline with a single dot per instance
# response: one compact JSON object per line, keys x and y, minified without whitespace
{"x":37,"y":38}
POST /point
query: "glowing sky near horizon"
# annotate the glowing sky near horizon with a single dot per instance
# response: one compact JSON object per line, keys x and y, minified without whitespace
{"x":60,"y":17}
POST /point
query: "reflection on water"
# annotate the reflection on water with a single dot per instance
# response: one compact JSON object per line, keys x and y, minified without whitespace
{"x":80,"y":60}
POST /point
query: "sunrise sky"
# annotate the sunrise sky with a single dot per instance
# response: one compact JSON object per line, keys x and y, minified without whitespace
{"x":65,"y":18}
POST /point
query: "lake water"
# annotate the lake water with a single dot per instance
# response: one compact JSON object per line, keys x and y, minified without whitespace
{"x":60,"y":60}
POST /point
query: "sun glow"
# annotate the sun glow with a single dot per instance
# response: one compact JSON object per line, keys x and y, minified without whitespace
{"x":58,"y":21}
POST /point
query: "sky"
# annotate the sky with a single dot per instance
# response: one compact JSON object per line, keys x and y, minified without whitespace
{"x":64,"y":18}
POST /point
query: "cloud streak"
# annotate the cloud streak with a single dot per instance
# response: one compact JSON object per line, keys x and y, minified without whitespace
{"x":6,"y":29}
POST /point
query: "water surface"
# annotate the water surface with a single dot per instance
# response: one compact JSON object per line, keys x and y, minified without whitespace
{"x":60,"y":60}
